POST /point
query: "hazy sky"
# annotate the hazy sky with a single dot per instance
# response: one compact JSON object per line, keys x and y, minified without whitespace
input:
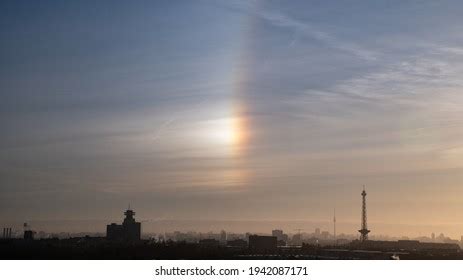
{"x":266,"y":110}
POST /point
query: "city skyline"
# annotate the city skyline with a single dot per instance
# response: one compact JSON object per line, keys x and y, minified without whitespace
{"x":219,"y":111}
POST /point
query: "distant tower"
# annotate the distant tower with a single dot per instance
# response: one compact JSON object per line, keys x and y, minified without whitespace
{"x":364,"y":230}
{"x":28,"y":233}
{"x":129,"y":219}
{"x":334,"y":225}
{"x":130,"y":230}
{"x":223,"y":237}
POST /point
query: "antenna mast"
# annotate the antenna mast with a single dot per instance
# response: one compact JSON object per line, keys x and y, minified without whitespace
{"x":364,"y":228}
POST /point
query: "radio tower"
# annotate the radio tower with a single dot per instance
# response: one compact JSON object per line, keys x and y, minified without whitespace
{"x":364,"y":230}
{"x":334,"y":226}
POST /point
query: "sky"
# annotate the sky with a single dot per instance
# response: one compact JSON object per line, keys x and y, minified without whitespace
{"x":233,"y":110}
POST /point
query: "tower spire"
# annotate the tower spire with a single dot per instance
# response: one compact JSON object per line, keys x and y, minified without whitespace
{"x":364,"y":228}
{"x":334,"y":225}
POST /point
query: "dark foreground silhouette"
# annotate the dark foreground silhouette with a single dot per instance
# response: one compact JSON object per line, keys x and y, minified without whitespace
{"x":96,"y":248}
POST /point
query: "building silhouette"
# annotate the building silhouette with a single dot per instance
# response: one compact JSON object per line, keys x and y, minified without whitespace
{"x":223,"y":237}
{"x":325,"y":235}
{"x":278,"y":233}
{"x":29,"y":235}
{"x":209,"y":242}
{"x":6,"y":233}
{"x":406,"y":246}
{"x":240,"y":243}
{"x":282,"y":238}
{"x":28,"y":232}
{"x":262,"y":244}
{"x":130,"y":230}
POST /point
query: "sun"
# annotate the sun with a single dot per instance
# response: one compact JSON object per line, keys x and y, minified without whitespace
{"x":226,"y":132}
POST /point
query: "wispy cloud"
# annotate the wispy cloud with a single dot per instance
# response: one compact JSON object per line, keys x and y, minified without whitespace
{"x":302,"y":28}
{"x":398,"y":81}
{"x":312,"y":31}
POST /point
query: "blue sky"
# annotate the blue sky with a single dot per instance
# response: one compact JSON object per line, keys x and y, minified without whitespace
{"x":189,"y":109}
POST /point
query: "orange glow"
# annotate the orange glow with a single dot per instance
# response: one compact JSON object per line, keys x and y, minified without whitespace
{"x":239,"y":136}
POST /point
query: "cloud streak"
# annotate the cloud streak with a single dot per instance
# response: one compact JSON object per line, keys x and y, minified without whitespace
{"x":311,"y":31}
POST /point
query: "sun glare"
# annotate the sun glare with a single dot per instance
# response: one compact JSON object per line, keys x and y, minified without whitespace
{"x":223,"y":131}
{"x":227,"y":132}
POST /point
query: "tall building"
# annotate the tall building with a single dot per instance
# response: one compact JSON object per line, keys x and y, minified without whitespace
{"x":296,"y":240}
{"x":6,"y":233}
{"x":130,"y":230}
{"x":262,"y":244}
{"x":324,"y":235}
{"x":364,"y":228}
{"x":29,"y":234}
{"x":278,"y":233}
{"x":223,"y":237}
{"x":282,"y":238}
